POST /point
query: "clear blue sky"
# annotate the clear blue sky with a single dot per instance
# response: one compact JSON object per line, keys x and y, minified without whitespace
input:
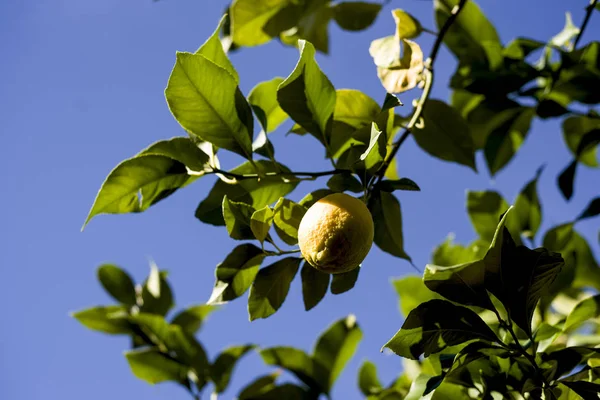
{"x":81,"y":88}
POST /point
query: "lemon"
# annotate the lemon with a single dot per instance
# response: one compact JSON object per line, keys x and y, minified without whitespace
{"x":336,"y":233}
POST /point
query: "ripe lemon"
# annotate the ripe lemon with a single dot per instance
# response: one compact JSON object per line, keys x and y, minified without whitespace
{"x":336,"y":233}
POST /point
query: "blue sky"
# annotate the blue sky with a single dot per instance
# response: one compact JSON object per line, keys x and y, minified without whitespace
{"x":81,"y":88}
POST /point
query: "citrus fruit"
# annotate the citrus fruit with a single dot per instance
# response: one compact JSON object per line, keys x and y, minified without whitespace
{"x":336,"y":233}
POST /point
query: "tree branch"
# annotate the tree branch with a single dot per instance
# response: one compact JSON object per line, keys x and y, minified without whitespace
{"x":588,"y":14}
{"x":428,"y":77}
{"x":310,"y":175}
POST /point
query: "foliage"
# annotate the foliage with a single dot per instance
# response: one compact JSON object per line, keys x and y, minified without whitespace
{"x":496,"y":318}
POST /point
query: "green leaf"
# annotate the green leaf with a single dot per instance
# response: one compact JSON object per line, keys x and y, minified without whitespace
{"x":407,"y":26}
{"x":387,"y":218}
{"x":449,"y":253}
{"x":205,"y":99}
{"x":336,"y":346}
{"x":344,"y":182}
{"x":117,"y":283}
{"x":249,"y":191}
{"x":105,"y":319}
{"x":286,"y":391}
{"x":579,"y":72}
{"x":236,"y":273}
{"x":258,"y":387}
{"x":485,"y":209}
{"x":311,"y":198}
{"x":298,"y":363}
{"x":587,"y":390}
{"x":260,"y":223}
{"x":503,"y":143}
{"x":138,"y":183}
{"x":192,"y":318}
{"x":157,"y":297}
{"x":566,"y":178}
{"x":356,"y":15}
{"x":341,"y":283}
{"x":445,"y":134}
{"x":375,"y":153}
{"x":154,"y":367}
{"x":237,"y":219}
{"x":308,"y":96}
{"x":264,"y":97}
{"x":527,"y":212}
{"x":583,"y":312}
{"x":436,"y":324}
{"x":463,"y":283}
{"x":182,"y":149}
{"x":212,"y":49}
{"x":368,"y":382}
{"x":568,"y":358}
{"x":248,"y":20}
{"x":287,"y":216}
{"x":411,"y":292}
{"x":222,"y":368}
{"x":354,"y":108}
{"x":472,"y":38}
{"x":574,"y":129}
{"x":391,"y":101}
{"x":311,"y":24}
{"x":591,"y":210}
{"x":399,"y":184}
{"x":314,"y":285}
{"x":271,"y":286}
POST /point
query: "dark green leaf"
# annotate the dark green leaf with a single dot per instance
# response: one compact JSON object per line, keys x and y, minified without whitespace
{"x":399,"y":184}
{"x":336,"y":346}
{"x":503,"y":143}
{"x":368,"y":382}
{"x":435,"y":325}
{"x":311,"y":25}
{"x":157,"y":297}
{"x":205,"y":99}
{"x":566,"y":178}
{"x":591,"y":210}
{"x":106,"y":319}
{"x":579,"y":72}
{"x":341,"y":283}
{"x":567,"y":359}
{"x":237,"y":219}
{"x":308,"y":96}
{"x":574,"y":129}
{"x":154,"y":367}
{"x":271,"y":286}
{"x":411,"y":292}
{"x":181,"y":149}
{"x":287,"y":216}
{"x":192,"y":318}
{"x":298,"y":363}
{"x":264,"y":97}
{"x":260,"y":386}
{"x":521,"y":47}
{"x":250,"y":191}
{"x":212,"y":49}
{"x":287,"y":391}
{"x":463,"y":283}
{"x":138,"y":183}
{"x":314,"y":285}
{"x":472,"y":38}
{"x":485,"y":209}
{"x":387,"y":218}
{"x":344,"y":182}
{"x":222,"y":368}
{"x":356,"y":15}
{"x":583,"y":312}
{"x":236,"y":273}
{"x":311,"y":198}
{"x":587,"y":390}
{"x":445,"y":134}
{"x":391,"y":101}
{"x":260,"y":223}
{"x":527,"y":213}
{"x":117,"y":283}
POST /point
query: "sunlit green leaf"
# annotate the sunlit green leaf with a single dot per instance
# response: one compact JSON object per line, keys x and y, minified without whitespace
{"x":260,"y":222}
{"x":287,"y":216}
{"x":222,"y":368}
{"x":181,"y":149}
{"x":355,"y":15}
{"x":271,"y":286}
{"x":237,"y":219}
{"x":407,"y":26}
{"x":411,"y":292}
{"x":264,"y":97}
{"x":368,"y":382}
{"x":485,"y":209}
{"x":236,"y":273}
{"x":213,"y":50}
{"x":336,"y":346}
{"x":387,"y":217}
{"x":445,"y":134}
{"x":583,"y":312}
{"x":205,"y":99}
{"x":433,"y":325}
{"x":574,"y":129}
{"x":308,"y":96}
{"x":298,"y":363}
{"x":314,"y":285}
{"x":248,"y":20}
{"x":311,"y":198}
{"x":154,"y":367}
{"x":105,"y":319}
{"x":192,"y":318}
{"x":449,"y":253}
{"x":117,"y":283}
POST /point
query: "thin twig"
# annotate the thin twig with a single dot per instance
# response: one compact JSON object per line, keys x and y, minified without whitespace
{"x":588,"y":14}
{"x":428,"y":77}
{"x":275,"y":174}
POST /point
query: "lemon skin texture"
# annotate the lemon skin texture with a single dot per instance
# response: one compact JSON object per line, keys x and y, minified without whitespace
{"x":336,"y":233}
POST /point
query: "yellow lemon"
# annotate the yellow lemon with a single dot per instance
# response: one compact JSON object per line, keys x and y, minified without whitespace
{"x":336,"y":233}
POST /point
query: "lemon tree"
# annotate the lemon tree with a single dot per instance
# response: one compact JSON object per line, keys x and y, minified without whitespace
{"x":500,"y":317}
